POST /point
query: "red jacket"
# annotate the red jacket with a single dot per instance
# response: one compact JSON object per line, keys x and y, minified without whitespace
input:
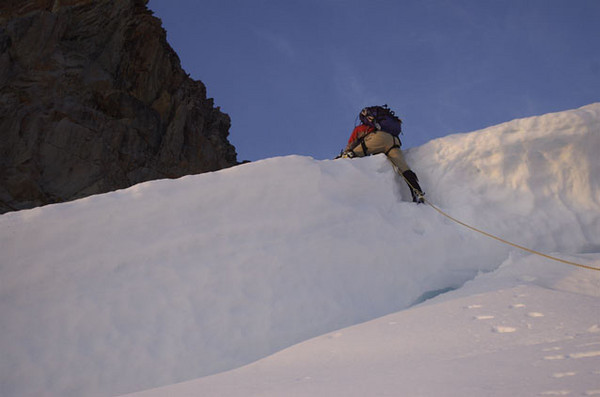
{"x":358,"y":133}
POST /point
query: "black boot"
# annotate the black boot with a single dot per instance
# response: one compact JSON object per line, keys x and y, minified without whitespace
{"x":413,"y":183}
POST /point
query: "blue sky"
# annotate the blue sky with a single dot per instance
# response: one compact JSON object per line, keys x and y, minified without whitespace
{"x":293,"y":75}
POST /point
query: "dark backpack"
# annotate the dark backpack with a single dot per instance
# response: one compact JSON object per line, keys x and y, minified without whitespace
{"x":381,"y":118}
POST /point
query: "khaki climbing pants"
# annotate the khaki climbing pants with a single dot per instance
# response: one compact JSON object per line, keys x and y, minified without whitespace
{"x":382,"y":142}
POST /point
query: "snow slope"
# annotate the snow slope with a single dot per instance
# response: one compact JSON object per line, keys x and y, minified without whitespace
{"x":178,"y":279}
{"x":508,"y":333}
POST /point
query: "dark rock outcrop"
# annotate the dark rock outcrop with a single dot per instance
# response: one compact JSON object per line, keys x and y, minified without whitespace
{"x":93,"y":99}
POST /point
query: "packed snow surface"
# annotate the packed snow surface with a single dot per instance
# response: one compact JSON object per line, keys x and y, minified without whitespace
{"x":291,"y":276}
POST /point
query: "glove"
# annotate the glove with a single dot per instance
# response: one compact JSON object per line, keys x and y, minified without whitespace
{"x":345,"y":155}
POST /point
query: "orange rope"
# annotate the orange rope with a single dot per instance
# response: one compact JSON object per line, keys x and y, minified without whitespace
{"x":500,"y":239}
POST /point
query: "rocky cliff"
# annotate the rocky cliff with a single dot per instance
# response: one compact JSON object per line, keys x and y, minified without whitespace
{"x":93,"y":99}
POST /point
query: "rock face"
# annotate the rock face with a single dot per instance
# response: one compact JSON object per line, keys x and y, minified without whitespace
{"x":93,"y":99}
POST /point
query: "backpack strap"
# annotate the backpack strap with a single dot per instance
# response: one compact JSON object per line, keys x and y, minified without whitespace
{"x":363,"y":145}
{"x":395,"y":145}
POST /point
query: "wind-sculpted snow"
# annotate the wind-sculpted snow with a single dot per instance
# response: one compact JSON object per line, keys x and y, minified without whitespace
{"x":176,"y":279}
{"x":531,"y":179}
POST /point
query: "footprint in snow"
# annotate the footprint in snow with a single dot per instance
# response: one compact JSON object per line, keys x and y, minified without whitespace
{"x":535,"y":314}
{"x":500,"y":329}
{"x":559,"y":375}
{"x":551,"y":349}
{"x":579,"y":355}
{"x":594,"y":328}
{"x":556,"y":357}
{"x":587,"y":354}
{"x":556,"y":393}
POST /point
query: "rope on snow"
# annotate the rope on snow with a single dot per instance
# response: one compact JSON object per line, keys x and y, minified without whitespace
{"x":501,"y":239}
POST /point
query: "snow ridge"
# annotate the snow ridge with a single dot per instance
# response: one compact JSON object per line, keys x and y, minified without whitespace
{"x":177,"y":279}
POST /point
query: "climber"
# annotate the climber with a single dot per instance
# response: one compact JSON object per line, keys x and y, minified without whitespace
{"x":378,"y":133}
